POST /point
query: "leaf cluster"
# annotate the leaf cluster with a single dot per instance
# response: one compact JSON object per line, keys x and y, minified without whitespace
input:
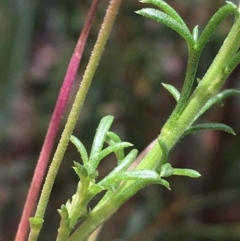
{"x":76,"y":209}
{"x":195,"y":42}
{"x":121,"y":183}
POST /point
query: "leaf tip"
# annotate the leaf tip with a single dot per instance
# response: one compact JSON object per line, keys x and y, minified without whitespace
{"x":138,"y":12}
{"x":229,"y":2}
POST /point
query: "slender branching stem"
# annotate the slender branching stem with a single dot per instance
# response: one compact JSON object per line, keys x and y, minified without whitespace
{"x":53,"y":128}
{"x":171,"y":133}
{"x":54,"y":125}
{"x":76,"y":109}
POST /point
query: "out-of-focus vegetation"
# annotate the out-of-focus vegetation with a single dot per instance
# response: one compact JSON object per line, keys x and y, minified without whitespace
{"x":36,"y":42}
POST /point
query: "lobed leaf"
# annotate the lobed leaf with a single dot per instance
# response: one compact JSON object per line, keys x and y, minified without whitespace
{"x":172,"y":90}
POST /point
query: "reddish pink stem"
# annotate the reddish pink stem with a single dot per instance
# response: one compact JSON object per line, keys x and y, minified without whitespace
{"x":53,"y":128}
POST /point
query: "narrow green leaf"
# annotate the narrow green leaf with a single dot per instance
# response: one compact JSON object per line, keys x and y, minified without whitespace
{"x":80,"y":170}
{"x":164,"y":183}
{"x":166,"y":8}
{"x":210,"y":126}
{"x":163,"y":18}
{"x":216,"y":19}
{"x":146,"y":176}
{"x":195,"y":33}
{"x":113,"y":148}
{"x":100,"y":135}
{"x":172,"y":90}
{"x":111,"y":139}
{"x":186,"y":172}
{"x":126,"y":162}
{"x":80,"y":147}
{"x":216,"y":99}
{"x":166,"y":170}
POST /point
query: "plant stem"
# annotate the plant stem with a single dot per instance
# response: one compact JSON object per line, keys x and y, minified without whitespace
{"x":76,"y":108}
{"x":54,"y":126}
{"x":211,"y":83}
{"x":193,"y":59}
{"x":170,"y":134}
{"x":106,"y":209}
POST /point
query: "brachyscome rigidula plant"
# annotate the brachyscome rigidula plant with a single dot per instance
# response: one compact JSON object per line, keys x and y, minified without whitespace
{"x":122,"y":183}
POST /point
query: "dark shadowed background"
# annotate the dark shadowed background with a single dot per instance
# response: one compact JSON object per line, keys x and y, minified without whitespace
{"x":36,"y":42}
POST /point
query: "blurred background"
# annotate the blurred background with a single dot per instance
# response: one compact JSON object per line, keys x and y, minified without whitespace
{"x":36,"y":42}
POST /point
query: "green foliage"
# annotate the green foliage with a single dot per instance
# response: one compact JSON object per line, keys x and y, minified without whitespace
{"x":196,"y":43}
{"x":76,"y":209}
{"x":167,"y":170}
{"x":172,"y":90}
{"x":218,"y":98}
{"x":210,"y":126}
{"x":121,"y":183}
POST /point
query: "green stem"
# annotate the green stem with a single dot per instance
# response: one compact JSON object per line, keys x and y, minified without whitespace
{"x":43,"y":160}
{"x":193,"y":60}
{"x":211,"y":83}
{"x":107,"y":208}
{"x":170,"y":134}
{"x":76,"y":109}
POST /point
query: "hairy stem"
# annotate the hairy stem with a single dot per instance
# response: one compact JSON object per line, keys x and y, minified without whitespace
{"x":76,"y":108}
{"x":170,"y":134}
{"x":53,"y":128}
